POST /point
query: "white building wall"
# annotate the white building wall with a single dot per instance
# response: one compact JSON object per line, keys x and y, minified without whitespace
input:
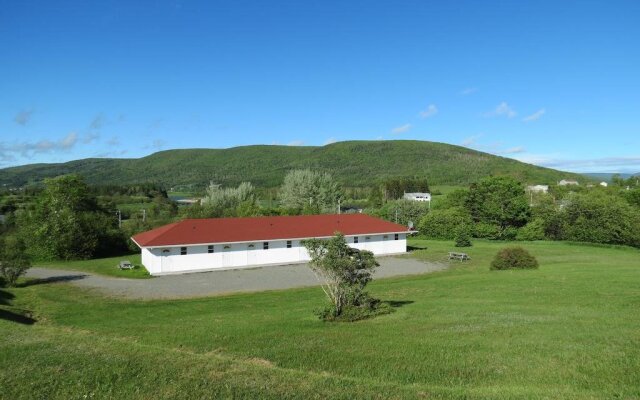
{"x":168,"y":260}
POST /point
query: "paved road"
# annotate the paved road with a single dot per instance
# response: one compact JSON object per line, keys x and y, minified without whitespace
{"x":219,"y":282}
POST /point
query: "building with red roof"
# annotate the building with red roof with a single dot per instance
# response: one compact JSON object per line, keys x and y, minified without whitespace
{"x":223,"y":243}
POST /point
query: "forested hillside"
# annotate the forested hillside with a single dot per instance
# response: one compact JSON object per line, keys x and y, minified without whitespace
{"x":354,"y":163}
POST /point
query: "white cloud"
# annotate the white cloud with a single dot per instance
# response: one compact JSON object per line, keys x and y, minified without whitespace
{"x":429,"y":112}
{"x":296,"y":143}
{"x":502,"y":110}
{"x":401,"y":129}
{"x":468,"y":91}
{"x":9,"y":152}
{"x":535,"y":116}
{"x":69,"y":141}
{"x":331,"y":140}
{"x":629,"y":164}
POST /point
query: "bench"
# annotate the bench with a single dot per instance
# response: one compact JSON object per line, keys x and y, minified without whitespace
{"x":125,"y":265}
{"x":458,"y":256}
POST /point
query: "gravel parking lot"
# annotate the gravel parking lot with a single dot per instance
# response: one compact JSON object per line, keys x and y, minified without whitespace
{"x":219,"y":282}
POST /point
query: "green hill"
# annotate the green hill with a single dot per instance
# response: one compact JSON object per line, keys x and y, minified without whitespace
{"x":354,"y":163}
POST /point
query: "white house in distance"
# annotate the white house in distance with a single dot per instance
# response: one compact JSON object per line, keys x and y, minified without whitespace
{"x":417,"y":196}
{"x":225,"y":243}
{"x":538,"y":188}
{"x":566,"y":182}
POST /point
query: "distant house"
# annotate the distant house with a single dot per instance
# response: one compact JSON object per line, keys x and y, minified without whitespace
{"x":566,"y":182}
{"x":226,"y":243}
{"x":538,"y":188}
{"x":417,"y":196}
{"x":604,"y":184}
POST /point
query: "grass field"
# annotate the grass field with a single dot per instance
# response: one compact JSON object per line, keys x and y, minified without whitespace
{"x":570,"y":330}
{"x":102,"y":266}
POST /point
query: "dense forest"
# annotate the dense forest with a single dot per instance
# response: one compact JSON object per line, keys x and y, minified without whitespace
{"x":353,"y":164}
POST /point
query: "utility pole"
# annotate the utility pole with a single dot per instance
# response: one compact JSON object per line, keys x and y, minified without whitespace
{"x":119,"y":218}
{"x":144,"y":215}
{"x":338,"y":206}
{"x":396,"y":215}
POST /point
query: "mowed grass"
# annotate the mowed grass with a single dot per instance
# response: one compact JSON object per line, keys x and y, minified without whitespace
{"x":569,"y":330}
{"x":102,"y":266}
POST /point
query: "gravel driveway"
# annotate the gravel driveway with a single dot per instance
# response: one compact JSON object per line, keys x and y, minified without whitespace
{"x":219,"y":282}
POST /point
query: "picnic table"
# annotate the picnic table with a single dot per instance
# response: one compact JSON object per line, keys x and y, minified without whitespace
{"x":458,"y":256}
{"x":125,"y":264}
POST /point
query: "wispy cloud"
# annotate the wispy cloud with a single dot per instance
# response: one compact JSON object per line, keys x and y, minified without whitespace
{"x":430,"y":111}
{"x":331,"y":140}
{"x":593,"y":164}
{"x":535,"y":116}
{"x":471,"y":140}
{"x":468,"y":91}
{"x":296,"y":143}
{"x":114,"y":141}
{"x":110,"y":154}
{"x":401,"y":129}
{"x":502,"y":110}
{"x":495,"y":147}
{"x":98,"y":122}
{"x":23,"y":117}
{"x":513,"y":150}
{"x":90,"y":137}
{"x":10,"y":152}
{"x":69,"y":141}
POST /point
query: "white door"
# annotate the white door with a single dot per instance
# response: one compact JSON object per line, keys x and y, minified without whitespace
{"x":165,"y":260}
{"x":252,"y":255}
{"x":367,"y":243}
{"x":227,"y":256}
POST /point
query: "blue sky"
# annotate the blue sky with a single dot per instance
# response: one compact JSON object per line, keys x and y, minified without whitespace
{"x":555,"y":83}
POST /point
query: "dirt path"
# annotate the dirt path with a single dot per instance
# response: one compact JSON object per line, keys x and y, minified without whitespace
{"x":219,"y":282}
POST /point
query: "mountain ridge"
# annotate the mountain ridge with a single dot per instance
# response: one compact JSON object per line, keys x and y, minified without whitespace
{"x":353,"y":163}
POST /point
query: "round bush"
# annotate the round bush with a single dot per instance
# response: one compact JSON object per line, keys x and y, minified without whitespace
{"x":514,"y":258}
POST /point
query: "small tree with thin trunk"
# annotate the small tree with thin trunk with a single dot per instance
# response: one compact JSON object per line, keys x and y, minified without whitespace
{"x":343,"y":273}
{"x":14,"y":261}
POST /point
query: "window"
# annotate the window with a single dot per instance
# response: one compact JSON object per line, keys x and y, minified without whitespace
{"x":183,"y":251}
{"x":210,"y":248}
{"x":355,"y":239}
{"x":288,"y":244}
{"x":265,"y":245}
{"x":385,"y":237}
{"x":396,"y":237}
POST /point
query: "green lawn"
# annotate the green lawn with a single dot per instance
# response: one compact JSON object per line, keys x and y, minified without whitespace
{"x":102,"y":266}
{"x":570,"y":330}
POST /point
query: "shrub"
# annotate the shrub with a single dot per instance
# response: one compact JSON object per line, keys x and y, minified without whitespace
{"x":514,"y":258}
{"x":601,"y":218}
{"x":443,"y":224}
{"x":14,"y":261}
{"x":463,"y":236}
{"x":353,"y":313}
{"x":486,"y":231}
{"x":534,"y":230}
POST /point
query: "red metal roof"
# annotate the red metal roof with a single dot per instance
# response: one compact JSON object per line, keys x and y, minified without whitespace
{"x":226,"y":230}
